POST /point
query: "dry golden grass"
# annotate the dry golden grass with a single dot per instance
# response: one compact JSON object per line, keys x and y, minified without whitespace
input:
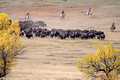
{"x":52,"y":58}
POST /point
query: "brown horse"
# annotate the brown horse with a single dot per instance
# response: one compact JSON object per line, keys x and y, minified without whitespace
{"x":112,"y":27}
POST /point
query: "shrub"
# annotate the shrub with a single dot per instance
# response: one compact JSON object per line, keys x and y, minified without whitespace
{"x":104,"y":64}
{"x":10,"y":44}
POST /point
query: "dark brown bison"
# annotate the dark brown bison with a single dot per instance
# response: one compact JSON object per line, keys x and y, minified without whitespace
{"x":43,"y":35}
{"x":91,"y":35}
{"x":37,"y":34}
{"x":72,"y":36}
{"x":21,"y":34}
{"x":84,"y":36}
{"x":99,"y":32}
{"x":101,"y":37}
{"x":51,"y":35}
{"x":34,"y":30}
{"x":93,"y":31}
{"x":63,"y":36}
{"x":29,"y":35}
{"x":85,"y":31}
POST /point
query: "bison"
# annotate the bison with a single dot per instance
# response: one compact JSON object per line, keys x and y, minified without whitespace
{"x":101,"y":37}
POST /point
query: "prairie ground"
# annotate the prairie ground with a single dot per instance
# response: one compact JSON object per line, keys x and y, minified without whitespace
{"x":52,"y":58}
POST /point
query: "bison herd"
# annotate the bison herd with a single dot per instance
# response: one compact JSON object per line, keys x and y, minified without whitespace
{"x":63,"y":34}
{"x":30,"y":29}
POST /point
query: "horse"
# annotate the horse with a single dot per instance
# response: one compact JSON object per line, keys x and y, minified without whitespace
{"x":112,"y":27}
{"x":89,"y":13}
{"x":62,"y":15}
{"x":27,"y":16}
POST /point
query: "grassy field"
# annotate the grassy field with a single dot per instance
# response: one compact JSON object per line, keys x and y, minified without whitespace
{"x":52,"y":58}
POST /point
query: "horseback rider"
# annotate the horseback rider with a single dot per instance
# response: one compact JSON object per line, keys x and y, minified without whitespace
{"x":62,"y":12}
{"x":89,"y":11}
{"x":27,"y":16}
{"x":112,"y":27}
{"x":62,"y":15}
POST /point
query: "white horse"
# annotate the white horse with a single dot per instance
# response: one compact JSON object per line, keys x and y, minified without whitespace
{"x":27,"y":17}
{"x":62,"y":16}
{"x":89,"y":13}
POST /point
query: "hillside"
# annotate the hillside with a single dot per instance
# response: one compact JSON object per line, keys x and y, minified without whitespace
{"x":61,"y":2}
